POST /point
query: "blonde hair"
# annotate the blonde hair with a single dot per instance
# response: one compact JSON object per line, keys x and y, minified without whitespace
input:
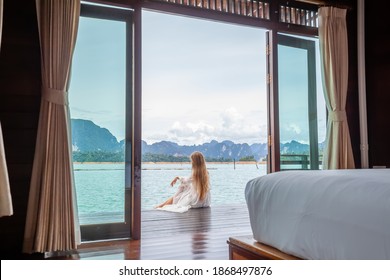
{"x":200,"y":175}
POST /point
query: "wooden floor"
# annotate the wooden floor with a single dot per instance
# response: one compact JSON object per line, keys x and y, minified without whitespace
{"x":197,"y":234}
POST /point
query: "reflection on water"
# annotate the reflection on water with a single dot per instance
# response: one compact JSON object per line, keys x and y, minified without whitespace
{"x":200,"y":240}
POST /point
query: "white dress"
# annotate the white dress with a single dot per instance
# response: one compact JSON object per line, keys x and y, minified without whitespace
{"x":186,"y":197}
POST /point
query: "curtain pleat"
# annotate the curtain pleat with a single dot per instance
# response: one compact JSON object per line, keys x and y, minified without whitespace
{"x":51,"y":223}
{"x":334,"y":62}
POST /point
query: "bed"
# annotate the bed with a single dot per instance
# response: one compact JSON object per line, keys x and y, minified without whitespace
{"x":324,"y":214}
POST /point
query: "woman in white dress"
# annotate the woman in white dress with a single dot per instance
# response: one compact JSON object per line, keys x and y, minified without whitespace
{"x":193,"y":191}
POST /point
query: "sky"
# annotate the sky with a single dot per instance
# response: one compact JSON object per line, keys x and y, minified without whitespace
{"x":201,"y":80}
{"x":97,"y":84}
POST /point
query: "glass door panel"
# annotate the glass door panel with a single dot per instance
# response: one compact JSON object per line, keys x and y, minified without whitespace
{"x":297,"y":98}
{"x":99,"y":99}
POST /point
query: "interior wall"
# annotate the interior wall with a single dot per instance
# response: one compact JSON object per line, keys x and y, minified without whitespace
{"x":20,"y":83}
{"x":352,"y":105}
{"x":378,"y":82}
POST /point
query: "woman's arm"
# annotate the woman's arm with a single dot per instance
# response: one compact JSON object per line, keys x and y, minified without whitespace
{"x":174,"y":180}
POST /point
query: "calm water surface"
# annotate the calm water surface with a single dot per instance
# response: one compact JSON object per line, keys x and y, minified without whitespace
{"x":100,"y":187}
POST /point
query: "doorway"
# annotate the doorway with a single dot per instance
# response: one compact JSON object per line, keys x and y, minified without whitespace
{"x":215,"y":100}
{"x":203,"y":88}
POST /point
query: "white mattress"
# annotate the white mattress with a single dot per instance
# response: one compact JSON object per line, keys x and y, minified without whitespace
{"x":329,"y":214}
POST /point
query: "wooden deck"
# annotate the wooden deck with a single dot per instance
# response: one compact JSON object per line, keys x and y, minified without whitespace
{"x":196,"y":234}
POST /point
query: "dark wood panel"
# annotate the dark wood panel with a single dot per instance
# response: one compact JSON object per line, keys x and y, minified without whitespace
{"x":19,"y":171}
{"x":377,"y":83}
{"x":352,"y":104}
{"x":20,"y":52}
{"x":20,"y":156}
{"x":19,"y":120}
{"x":14,"y":103}
{"x":20,"y":83}
{"x":19,"y":139}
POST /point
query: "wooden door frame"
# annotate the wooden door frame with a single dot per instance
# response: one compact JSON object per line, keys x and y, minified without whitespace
{"x":273,"y":25}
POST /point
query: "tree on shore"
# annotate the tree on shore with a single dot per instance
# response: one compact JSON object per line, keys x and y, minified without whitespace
{"x":247,"y":158}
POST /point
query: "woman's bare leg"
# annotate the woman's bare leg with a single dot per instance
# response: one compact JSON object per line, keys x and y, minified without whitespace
{"x":167,"y":202}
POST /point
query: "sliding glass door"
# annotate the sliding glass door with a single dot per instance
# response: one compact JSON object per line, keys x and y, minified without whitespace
{"x":101,"y":121}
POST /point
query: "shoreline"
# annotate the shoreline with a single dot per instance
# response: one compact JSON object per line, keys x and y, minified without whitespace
{"x":168,"y":162}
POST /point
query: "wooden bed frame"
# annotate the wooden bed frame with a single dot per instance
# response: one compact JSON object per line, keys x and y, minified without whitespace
{"x":246,"y":248}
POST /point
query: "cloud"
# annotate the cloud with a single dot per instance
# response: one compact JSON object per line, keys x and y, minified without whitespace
{"x":292,"y":127}
{"x":189,"y":129}
{"x":294,"y":131}
{"x":191,"y":132}
{"x":231,"y":119}
{"x":231,"y":125}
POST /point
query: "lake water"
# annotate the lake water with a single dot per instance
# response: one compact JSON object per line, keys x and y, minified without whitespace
{"x":100,"y":187}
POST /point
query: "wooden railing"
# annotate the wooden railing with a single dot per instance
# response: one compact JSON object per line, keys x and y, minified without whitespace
{"x":296,"y":161}
{"x":249,"y":8}
{"x":289,"y":12}
{"x":292,"y":15}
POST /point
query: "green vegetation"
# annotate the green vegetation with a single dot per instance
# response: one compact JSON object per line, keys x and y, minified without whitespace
{"x":98,"y":156}
{"x":212,"y":159}
{"x":149,"y":157}
{"x":247,"y":158}
{"x":102,"y":156}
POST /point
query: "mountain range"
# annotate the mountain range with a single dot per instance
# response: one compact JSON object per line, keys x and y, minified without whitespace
{"x":89,"y":137}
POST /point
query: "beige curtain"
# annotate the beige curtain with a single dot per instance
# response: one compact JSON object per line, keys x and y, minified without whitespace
{"x":5,"y":193}
{"x":51,"y":223}
{"x":334,"y":62}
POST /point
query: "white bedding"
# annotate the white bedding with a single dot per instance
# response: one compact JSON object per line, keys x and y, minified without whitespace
{"x":325,"y":214}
